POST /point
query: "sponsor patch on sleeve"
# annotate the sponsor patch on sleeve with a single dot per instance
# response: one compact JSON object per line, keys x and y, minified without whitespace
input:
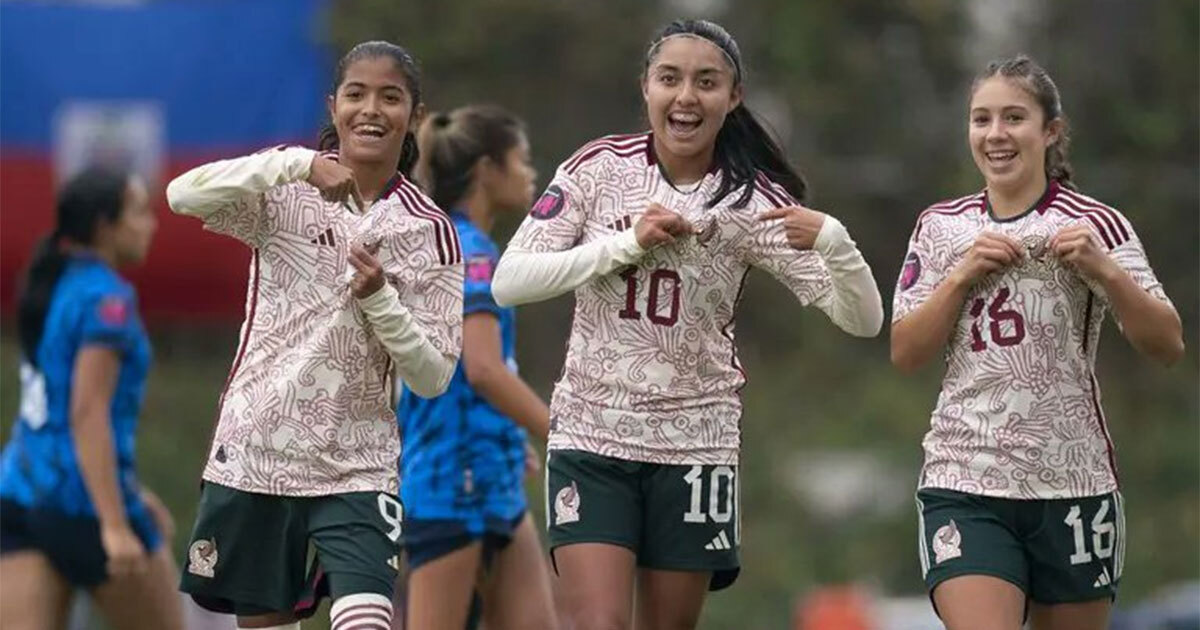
{"x":113,"y":311}
{"x":911,"y":271}
{"x":479,"y":268}
{"x":550,"y":204}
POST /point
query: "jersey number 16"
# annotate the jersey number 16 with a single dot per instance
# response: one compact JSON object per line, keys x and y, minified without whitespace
{"x":998,"y":313}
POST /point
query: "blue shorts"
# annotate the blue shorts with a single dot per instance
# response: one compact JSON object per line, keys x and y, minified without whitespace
{"x":426,"y":540}
{"x":70,"y":542}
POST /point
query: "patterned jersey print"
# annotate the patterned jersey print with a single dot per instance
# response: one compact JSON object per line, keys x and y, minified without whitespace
{"x":307,"y":407}
{"x":651,"y":372}
{"x":1019,"y":411}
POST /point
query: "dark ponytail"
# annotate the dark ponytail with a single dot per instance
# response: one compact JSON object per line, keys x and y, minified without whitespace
{"x":328,"y":138}
{"x":37,"y":287}
{"x":1034,"y":79}
{"x":409,"y":155}
{"x":94,"y":195}
{"x":744,"y":148}
{"x":453,"y":143}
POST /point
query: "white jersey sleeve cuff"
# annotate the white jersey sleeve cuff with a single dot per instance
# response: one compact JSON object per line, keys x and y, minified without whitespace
{"x":209,"y":187}
{"x":855,"y":305}
{"x":523,"y":277}
{"x":424,"y":369}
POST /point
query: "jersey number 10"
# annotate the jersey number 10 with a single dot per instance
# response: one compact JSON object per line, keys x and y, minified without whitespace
{"x":998,"y":314}
{"x":654,"y":309}
{"x":721,"y":490}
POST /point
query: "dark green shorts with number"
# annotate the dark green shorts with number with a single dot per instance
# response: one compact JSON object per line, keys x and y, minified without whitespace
{"x":250,"y":553}
{"x":1055,"y":550}
{"x":680,"y":518}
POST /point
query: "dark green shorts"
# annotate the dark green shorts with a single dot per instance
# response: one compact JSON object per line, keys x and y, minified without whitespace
{"x":250,"y":553}
{"x":1056,"y":551}
{"x":678,"y":518}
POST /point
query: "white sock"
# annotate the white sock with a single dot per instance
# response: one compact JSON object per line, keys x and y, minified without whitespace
{"x":361,"y":611}
{"x":286,"y":626}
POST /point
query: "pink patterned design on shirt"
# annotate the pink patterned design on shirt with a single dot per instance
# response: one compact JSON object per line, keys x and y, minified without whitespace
{"x":651,"y":372}
{"x":1019,"y":412}
{"x":307,"y":407}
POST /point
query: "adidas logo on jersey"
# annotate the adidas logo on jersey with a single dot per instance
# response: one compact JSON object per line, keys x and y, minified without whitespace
{"x":1103,"y":579}
{"x":325,"y":238}
{"x":622,"y":224}
{"x":720,"y":542}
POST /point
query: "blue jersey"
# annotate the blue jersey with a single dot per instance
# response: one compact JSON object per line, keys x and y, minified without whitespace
{"x":90,"y":305}
{"x":461,"y":458}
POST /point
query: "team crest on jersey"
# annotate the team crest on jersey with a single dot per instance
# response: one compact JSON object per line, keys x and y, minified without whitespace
{"x":947,"y":542}
{"x":479,"y":268}
{"x":549,"y":204}
{"x":113,"y":311}
{"x":705,"y":233}
{"x":202,"y":557}
{"x":224,"y":454}
{"x":1037,"y":246}
{"x":566,"y":505}
{"x":911,"y":271}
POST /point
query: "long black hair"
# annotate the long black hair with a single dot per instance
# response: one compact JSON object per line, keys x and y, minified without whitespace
{"x":1034,"y":79}
{"x":744,"y":148}
{"x":453,"y":143}
{"x":328,"y":140}
{"x":94,"y":195}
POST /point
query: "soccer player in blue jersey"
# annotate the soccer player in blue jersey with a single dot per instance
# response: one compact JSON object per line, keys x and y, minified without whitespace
{"x":72,"y":511}
{"x":464,"y":452}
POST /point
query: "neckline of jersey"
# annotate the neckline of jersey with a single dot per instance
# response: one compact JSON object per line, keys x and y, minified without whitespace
{"x":393,"y":183}
{"x":1040,"y":205}
{"x":652,"y":160}
{"x":460,"y":213}
{"x":86,"y":257}
{"x":390,"y":187}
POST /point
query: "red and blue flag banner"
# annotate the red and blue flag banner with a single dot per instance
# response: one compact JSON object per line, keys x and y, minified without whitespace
{"x":156,"y":88}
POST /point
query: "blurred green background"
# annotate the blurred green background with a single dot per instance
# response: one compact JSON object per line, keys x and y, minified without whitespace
{"x":869,"y":96}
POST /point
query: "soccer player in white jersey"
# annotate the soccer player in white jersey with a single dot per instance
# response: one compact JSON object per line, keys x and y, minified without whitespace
{"x":655,"y":233}
{"x":1018,"y":495}
{"x":341,"y":292}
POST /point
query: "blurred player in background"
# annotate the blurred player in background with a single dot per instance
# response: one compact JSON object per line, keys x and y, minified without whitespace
{"x":72,"y":511}
{"x":465,"y":452}
{"x":341,"y":292}
{"x":1018,"y":495}
{"x":656,"y":232}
